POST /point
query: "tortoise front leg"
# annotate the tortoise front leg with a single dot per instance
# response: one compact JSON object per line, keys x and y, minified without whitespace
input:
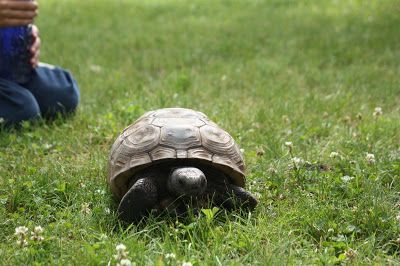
{"x":242,"y":197}
{"x":139,"y":199}
{"x":231,"y":197}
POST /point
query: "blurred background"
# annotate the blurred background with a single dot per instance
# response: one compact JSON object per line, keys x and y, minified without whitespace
{"x":161,"y":53}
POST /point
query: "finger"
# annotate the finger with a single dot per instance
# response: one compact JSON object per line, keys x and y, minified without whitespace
{"x":18,"y":14}
{"x":35,"y":46}
{"x":35,"y":59}
{"x":35,"y":31}
{"x":15,"y":22}
{"x":18,"y":5}
{"x":35,"y":39}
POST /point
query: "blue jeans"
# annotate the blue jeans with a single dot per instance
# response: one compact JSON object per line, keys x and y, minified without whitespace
{"x":51,"y":91}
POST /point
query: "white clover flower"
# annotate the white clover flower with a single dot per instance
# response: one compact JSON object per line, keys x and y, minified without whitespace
{"x":95,"y":68}
{"x":377,"y":111}
{"x":1,"y":120}
{"x":121,"y":252}
{"x":260,"y":151}
{"x":289,"y":144}
{"x":21,"y":230}
{"x":350,"y":253}
{"x":347,"y":178}
{"x":120,"y":247}
{"x":124,"y":262}
{"x":22,"y":243}
{"x":101,"y":191}
{"x":107,"y":210}
{"x":370,"y":158}
{"x":241,"y":150}
{"x":170,"y":256}
{"x":38,"y":229}
{"x":85,"y":208}
{"x":272,"y":170}
{"x":297,"y":160}
{"x":188,"y":263}
{"x":37,"y":234}
{"x":334,"y":154}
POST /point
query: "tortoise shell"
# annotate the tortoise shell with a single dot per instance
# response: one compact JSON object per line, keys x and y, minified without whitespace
{"x":170,"y":135}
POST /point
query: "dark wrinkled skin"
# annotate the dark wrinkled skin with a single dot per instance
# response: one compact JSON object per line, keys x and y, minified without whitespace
{"x":149,"y":193}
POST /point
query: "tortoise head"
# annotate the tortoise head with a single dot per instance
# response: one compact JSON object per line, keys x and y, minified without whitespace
{"x":187,"y":181}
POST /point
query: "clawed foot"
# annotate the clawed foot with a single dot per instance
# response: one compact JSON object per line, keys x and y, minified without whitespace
{"x":139,"y":199}
{"x":232,"y":197}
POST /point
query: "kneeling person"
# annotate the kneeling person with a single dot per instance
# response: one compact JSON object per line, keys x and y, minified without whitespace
{"x":51,"y":90}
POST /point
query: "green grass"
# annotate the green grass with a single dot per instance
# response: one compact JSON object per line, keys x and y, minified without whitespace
{"x":267,"y":72}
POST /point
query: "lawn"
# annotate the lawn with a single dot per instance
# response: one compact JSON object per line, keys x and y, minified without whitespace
{"x":323,"y":75}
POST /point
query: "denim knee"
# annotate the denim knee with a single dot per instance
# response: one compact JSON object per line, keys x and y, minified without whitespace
{"x":17,"y":104}
{"x":55,"y":90}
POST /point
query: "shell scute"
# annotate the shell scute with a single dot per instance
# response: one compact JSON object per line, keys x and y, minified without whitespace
{"x":143,"y":138}
{"x":180,"y":136}
{"x":178,"y":112}
{"x":200,"y":153}
{"x":161,"y":153}
{"x":140,"y":159}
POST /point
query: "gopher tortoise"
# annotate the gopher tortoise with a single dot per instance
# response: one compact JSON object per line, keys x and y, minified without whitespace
{"x":170,"y":157}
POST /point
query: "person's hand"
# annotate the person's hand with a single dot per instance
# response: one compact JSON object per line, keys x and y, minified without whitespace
{"x":35,"y":48}
{"x":17,"y":12}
